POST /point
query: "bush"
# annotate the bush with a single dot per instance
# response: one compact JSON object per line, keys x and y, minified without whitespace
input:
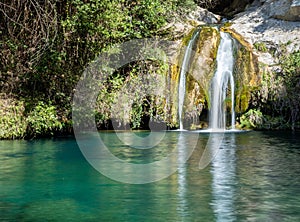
{"x":260,"y":46}
{"x":251,"y":119}
{"x":12,"y":120}
{"x":42,"y":121}
{"x":291,"y":74}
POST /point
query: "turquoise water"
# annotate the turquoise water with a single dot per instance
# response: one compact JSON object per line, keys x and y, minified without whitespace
{"x":254,"y":177}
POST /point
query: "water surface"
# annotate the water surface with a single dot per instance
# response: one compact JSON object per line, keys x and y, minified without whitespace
{"x":254,"y":177}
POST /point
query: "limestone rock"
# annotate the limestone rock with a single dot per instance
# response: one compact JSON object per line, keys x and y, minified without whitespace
{"x":285,"y":10}
{"x":295,"y":8}
{"x":203,"y":16}
{"x":180,"y":30}
{"x":208,"y":17}
{"x":265,"y":22}
{"x":182,"y":25}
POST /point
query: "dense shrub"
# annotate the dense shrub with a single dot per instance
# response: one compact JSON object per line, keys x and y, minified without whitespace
{"x":12,"y":120}
{"x":251,"y":119}
{"x":45,"y":46}
{"x":43,"y":121}
{"x":291,"y":76}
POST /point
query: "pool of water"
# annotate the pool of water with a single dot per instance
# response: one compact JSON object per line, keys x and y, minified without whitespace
{"x":255,"y":176}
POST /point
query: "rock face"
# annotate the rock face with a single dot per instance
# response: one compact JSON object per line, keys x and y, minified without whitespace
{"x":286,"y":10}
{"x":208,"y":17}
{"x":183,"y":24}
{"x":262,"y":31}
{"x":295,"y":8}
{"x":202,"y":69}
{"x":281,"y":9}
{"x":268,"y":22}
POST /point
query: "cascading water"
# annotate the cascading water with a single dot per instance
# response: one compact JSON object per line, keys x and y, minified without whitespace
{"x":184,"y":69}
{"x":219,"y":86}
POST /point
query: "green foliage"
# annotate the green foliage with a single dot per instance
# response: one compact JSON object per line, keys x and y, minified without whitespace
{"x":45,"y":48}
{"x":128,"y":95}
{"x":43,"y":120}
{"x":279,"y":95}
{"x":136,"y":115}
{"x":260,"y":46}
{"x":251,"y":119}
{"x":184,"y":6}
{"x":96,"y":25}
{"x":291,"y":67}
{"x":12,"y":120}
{"x":291,"y":72}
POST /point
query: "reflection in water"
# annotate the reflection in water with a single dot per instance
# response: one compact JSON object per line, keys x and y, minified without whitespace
{"x":98,"y":152}
{"x":181,"y":144}
{"x":223,"y":185}
{"x":147,"y":141}
{"x":212,"y":148}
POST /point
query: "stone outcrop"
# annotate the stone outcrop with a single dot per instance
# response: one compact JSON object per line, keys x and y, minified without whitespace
{"x":281,"y":9}
{"x":182,"y":25}
{"x":295,"y":8}
{"x":203,"y":16}
{"x":286,"y":10}
{"x":266,"y":22}
{"x":208,"y":17}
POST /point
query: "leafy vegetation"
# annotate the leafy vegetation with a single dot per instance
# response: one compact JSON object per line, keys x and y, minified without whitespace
{"x":45,"y":46}
{"x":260,"y":46}
{"x":131,"y":97}
{"x":278,"y":97}
{"x":291,"y":76}
{"x":251,"y":119}
{"x":15,"y":122}
{"x":12,"y":119}
{"x":42,"y":120}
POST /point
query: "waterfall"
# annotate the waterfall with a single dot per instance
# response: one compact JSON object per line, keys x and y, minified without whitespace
{"x":219,"y":85}
{"x":184,"y":69}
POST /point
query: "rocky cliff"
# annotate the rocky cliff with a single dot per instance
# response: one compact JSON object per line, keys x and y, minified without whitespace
{"x":273,"y":23}
{"x":265,"y":29}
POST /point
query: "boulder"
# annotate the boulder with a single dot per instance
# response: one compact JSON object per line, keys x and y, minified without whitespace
{"x":203,"y":16}
{"x":286,"y":10}
{"x":295,"y":9}
{"x":208,"y":17}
